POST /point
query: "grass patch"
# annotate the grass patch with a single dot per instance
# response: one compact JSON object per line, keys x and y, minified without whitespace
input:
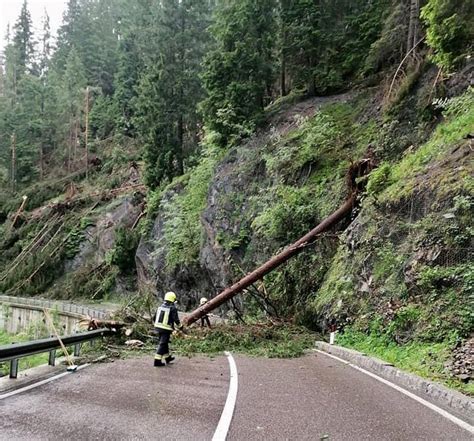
{"x":26,"y":362}
{"x":459,"y":123}
{"x":259,"y":339}
{"x":183,"y":229}
{"x":424,"y":359}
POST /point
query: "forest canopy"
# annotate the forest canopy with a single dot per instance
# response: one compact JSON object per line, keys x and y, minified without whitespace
{"x":164,"y":72}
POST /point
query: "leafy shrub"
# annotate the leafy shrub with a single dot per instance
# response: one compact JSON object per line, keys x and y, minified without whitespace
{"x":292,"y":213}
{"x":182,"y":228}
{"x":379,"y":179}
{"x":123,"y":253}
{"x":450,"y":31}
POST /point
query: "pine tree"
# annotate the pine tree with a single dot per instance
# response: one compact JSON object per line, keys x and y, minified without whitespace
{"x":73,"y":84}
{"x":239,"y":71}
{"x":23,"y":42}
{"x":68,"y":34}
{"x":170,"y":89}
{"x":46,"y":46}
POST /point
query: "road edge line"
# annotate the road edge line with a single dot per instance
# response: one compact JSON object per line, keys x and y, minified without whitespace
{"x":442,"y":412}
{"x":40,"y":383}
{"x":228,"y":412}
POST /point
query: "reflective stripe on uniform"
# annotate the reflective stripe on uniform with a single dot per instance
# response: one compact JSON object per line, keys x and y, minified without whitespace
{"x":158,"y":357}
{"x":162,"y":318}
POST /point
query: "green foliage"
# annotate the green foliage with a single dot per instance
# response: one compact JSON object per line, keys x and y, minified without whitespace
{"x":387,"y":263}
{"x":102,"y":117}
{"x":388,"y":48}
{"x":425,"y":359}
{"x":26,"y":362}
{"x":170,"y":88}
{"x":292,"y":213}
{"x":379,"y":179}
{"x":88,"y":282}
{"x":310,"y":145}
{"x":238,"y":71}
{"x":125,"y":247}
{"x":338,"y":285}
{"x":449,"y":31}
{"x":182,"y":227}
{"x":459,"y":123}
{"x":259,"y":339}
{"x":321,"y":51}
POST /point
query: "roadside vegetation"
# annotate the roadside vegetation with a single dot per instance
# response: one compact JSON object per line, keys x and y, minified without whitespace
{"x":262,"y":339}
{"x":26,"y":362}
{"x":427,"y":360}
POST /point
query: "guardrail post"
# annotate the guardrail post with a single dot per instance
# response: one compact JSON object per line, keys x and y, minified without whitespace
{"x":14,"y":368}
{"x":52,"y":357}
{"x":77,"y":350}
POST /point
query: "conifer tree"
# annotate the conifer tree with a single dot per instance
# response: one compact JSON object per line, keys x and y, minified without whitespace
{"x":23,"y":41}
{"x":239,"y":71}
{"x":170,"y":89}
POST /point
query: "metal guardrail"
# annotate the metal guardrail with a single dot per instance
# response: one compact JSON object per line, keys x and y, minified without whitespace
{"x":60,"y":306}
{"x":15,"y":351}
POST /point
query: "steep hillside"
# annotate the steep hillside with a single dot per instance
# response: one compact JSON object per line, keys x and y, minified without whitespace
{"x":400,"y":270}
{"x":74,"y":237}
{"x":179,"y":145}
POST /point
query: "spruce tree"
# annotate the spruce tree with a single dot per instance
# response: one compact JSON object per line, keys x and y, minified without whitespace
{"x":239,"y":71}
{"x":23,"y":42}
{"x":170,"y":89}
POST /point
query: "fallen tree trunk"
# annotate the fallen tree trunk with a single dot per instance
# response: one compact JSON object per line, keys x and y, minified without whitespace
{"x":356,"y":171}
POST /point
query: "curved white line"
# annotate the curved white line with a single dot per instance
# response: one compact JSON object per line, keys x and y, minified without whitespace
{"x":452,"y":418}
{"x":40,"y":383}
{"x":224,"y":423}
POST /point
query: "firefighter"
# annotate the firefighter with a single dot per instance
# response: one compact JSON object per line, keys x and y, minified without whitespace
{"x":166,"y":322}
{"x":204,"y":318}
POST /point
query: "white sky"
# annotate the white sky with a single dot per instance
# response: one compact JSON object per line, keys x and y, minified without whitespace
{"x":10,"y":10}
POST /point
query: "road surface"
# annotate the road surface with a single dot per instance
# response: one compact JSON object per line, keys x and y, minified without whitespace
{"x":309,"y":398}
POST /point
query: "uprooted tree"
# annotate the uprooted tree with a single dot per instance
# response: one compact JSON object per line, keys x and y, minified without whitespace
{"x":355,"y":180}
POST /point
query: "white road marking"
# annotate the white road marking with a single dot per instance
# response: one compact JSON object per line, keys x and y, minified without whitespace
{"x":40,"y":383}
{"x":452,"y":418}
{"x":224,"y":423}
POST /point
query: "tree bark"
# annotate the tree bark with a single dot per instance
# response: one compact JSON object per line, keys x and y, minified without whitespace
{"x":274,"y":262}
{"x":356,"y":171}
{"x":87,"y":132}
{"x":413,"y":25}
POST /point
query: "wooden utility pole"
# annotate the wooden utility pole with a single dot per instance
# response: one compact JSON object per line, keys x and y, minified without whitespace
{"x":13,"y":165}
{"x":87,"y":132}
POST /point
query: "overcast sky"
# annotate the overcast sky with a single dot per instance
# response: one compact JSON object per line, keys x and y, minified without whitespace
{"x":10,"y":10}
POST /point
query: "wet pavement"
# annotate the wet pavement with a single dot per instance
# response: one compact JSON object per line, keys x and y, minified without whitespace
{"x":316,"y":397}
{"x":308,"y":398}
{"x":125,"y":400}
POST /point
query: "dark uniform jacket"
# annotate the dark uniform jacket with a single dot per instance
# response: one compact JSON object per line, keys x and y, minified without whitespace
{"x":167,"y":317}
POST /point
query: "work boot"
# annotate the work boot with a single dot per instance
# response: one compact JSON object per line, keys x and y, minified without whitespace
{"x":169,"y":359}
{"x":158,"y":363}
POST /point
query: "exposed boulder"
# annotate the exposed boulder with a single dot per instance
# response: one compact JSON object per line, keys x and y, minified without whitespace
{"x":99,"y":238}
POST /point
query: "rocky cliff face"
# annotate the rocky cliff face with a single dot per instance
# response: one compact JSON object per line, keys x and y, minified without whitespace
{"x":99,"y":238}
{"x":241,"y":189}
{"x":272,"y":189}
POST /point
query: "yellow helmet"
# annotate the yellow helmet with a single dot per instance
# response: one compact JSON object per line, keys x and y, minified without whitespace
{"x":170,"y":297}
{"x":202,"y":301}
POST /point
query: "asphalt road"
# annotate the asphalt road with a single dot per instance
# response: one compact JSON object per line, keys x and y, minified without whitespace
{"x":310,"y":398}
{"x":124,"y":400}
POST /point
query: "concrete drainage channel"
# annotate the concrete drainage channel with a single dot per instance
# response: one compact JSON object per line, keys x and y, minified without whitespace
{"x":433,"y":392}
